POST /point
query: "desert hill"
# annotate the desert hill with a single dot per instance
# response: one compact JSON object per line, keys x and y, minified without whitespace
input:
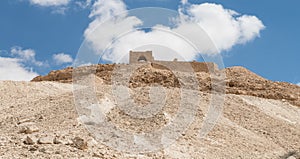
{"x":260,"y":118}
{"x":239,"y":81}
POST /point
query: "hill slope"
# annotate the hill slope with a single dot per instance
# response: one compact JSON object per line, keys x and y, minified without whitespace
{"x":260,"y":118}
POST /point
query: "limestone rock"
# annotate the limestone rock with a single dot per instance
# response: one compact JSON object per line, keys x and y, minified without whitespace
{"x":45,"y":140}
{"x":79,"y":143}
{"x":25,"y":120}
{"x":28,"y":141}
{"x":29,"y":129}
{"x":56,"y":140}
{"x":33,"y":148}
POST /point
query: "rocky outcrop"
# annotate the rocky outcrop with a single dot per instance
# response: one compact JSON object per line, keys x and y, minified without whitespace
{"x":239,"y":80}
{"x":244,"y":82}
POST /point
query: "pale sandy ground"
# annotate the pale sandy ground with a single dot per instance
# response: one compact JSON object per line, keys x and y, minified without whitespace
{"x":250,"y":127}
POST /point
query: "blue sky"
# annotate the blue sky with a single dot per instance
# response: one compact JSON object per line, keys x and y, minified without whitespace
{"x":54,"y":33}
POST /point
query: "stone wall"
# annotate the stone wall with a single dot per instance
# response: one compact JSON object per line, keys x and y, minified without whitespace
{"x":183,"y":66}
{"x":140,"y":56}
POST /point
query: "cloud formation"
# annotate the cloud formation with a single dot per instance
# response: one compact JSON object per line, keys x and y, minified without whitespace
{"x":226,"y":28}
{"x":48,"y":3}
{"x":12,"y":69}
{"x":83,"y":4}
{"x":25,"y":55}
{"x":19,"y":65}
{"x":62,"y":58}
{"x":62,"y":6}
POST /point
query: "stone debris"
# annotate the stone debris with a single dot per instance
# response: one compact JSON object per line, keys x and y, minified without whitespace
{"x":238,"y":80}
{"x":45,"y":140}
{"x":28,"y":141}
{"x":56,"y":140}
{"x":26,"y":120}
{"x":33,"y":148}
{"x":260,"y":118}
{"x":29,"y":129}
{"x":67,"y":142}
{"x":79,"y":143}
{"x":43,"y":150}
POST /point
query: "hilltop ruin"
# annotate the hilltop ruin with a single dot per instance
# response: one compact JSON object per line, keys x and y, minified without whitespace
{"x":138,"y":57}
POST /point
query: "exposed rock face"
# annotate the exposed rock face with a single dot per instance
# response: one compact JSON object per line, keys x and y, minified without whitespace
{"x":146,"y":76}
{"x":238,"y":80}
{"x":64,"y":76}
{"x":244,"y":82}
{"x":28,"y":129}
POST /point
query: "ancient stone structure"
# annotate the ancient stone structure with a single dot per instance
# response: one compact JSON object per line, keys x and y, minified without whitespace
{"x":140,"y":56}
{"x":136,"y":57}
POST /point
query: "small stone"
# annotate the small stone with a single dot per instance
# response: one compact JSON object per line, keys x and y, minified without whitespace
{"x":25,"y":120}
{"x":67,"y":142}
{"x":92,"y":142}
{"x":291,"y":157}
{"x":57,"y":141}
{"x":292,"y":96}
{"x":98,"y":155}
{"x":79,"y":143}
{"x":29,"y":129}
{"x":34,"y":148}
{"x":45,"y":140}
{"x":28,"y":141}
{"x":42,"y":150}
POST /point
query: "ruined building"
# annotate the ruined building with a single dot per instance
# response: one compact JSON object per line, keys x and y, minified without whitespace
{"x":136,"y":57}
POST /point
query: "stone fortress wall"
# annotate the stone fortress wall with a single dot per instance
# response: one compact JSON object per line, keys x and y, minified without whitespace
{"x":136,"y":57}
{"x":140,"y":56}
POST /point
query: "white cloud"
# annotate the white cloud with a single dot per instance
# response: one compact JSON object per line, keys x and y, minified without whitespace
{"x":104,"y":9}
{"x":298,"y":84}
{"x":18,"y":65}
{"x":47,"y":3}
{"x":250,"y":28}
{"x":62,"y":6}
{"x":84,"y":4}
{"x":25,"y":55}
{"x":226,"y":28}
{"x":62,"y":58}
{"x":12,"y":69}
{"x":184,"y":1}
{"x":149,"y":41}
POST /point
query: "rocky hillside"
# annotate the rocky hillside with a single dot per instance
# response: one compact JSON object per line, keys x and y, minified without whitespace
{"x":239,"y":81}
{"x":40,"y":119}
